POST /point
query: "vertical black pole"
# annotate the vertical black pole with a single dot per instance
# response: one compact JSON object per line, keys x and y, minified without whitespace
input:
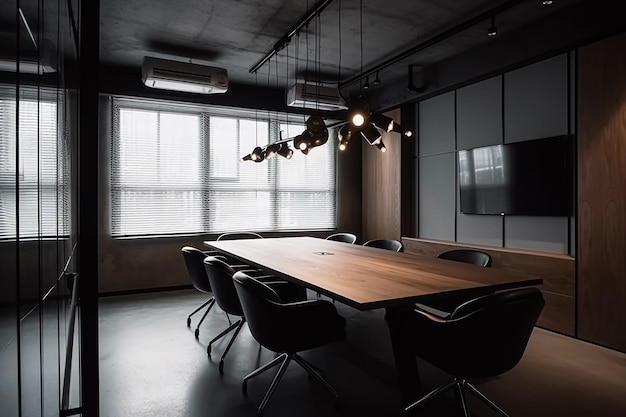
{"x":89,"y":52}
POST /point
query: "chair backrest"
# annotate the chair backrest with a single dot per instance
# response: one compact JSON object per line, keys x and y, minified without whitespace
{"x":193,"y":260}
{"x":220,"y":276}
{"x":286,"y":326}
{"x":261,"y":306}
{"x":239,"y":235}
{"x":469,"y":256}
{"x":485,"y":336}
{"x":389,"y":244}
{"x":342,"y":237}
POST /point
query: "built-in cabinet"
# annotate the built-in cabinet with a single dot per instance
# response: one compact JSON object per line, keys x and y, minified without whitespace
{"x":602,"y":192}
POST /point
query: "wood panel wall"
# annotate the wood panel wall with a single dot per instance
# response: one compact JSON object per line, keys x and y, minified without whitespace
{"x":602,"y":192}
{"x":558,"y":272}
{"x":381,"y":187}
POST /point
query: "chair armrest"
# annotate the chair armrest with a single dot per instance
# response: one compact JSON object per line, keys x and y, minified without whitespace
{"x":314,"y":310}
{"x":215,"y":254}
{"x":431,"y":316}
{"x":287,"y":291}
{"x":432,"y":311}
{"x":243,"y":267}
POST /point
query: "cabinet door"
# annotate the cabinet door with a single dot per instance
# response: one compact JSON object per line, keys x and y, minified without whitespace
{"x":601,"y":192}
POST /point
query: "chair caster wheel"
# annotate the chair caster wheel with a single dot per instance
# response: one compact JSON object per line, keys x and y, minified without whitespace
{"x":208,"y":350}
{"x":188,"y":321}
{"x":197,"y":333}
{"x":221,"y":367}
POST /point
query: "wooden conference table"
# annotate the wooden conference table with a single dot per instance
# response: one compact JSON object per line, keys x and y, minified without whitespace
{"x":367,"y":278}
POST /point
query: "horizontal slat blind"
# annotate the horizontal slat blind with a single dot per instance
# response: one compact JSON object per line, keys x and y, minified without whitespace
{"x":179,"y":171}
{"x":34,"y":167}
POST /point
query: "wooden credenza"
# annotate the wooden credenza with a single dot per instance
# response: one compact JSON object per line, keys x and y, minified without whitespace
{"x":558,"y":272}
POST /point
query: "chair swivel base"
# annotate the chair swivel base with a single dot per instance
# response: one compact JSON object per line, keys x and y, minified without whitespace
{"x":237,"y":326}
{"x":284,"y":359}
{"x":461,"y":385}
{"x":210,"y":303}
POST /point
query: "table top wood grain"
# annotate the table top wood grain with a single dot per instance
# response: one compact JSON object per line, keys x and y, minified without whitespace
{"x":364,"y":277}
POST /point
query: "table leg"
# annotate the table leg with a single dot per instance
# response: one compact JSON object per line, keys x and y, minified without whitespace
{"x":404,"y":357}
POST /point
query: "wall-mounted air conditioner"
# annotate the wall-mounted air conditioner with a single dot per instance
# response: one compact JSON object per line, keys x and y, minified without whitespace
{"x":314,"y":96}
{"x":183,"y":76}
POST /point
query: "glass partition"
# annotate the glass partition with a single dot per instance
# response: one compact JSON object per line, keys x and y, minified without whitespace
{"x":37,"y":217}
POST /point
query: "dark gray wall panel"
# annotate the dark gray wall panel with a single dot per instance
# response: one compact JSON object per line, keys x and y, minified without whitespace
{"x":479,"y":114}
{"x":547,"y":234}
{"x":479,"y":230}
{"x":437,"y":194}
{"x":436,"y":124}
{"x":536,"y":100}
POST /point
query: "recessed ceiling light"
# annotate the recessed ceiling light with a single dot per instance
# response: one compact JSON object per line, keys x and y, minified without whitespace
{"x":547,"y":2}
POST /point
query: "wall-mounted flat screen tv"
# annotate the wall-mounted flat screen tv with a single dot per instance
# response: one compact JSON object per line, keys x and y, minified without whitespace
{"x":531,"y":178}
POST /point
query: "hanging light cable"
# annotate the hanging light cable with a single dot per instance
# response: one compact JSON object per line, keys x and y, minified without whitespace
{"x":493,"y":30}
{"x":285,"y":151}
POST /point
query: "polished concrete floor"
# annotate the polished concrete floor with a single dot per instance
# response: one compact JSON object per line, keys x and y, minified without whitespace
{"x":152,"y":365}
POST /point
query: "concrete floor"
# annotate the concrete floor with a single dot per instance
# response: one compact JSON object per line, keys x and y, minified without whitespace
{"x":151,"y":365}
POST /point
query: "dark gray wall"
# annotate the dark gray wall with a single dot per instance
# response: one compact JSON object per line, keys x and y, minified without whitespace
{"x":531,"y":102}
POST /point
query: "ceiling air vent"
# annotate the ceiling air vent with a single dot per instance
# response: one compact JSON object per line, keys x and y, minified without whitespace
{"x":183,"y":76}
{"x":313,"y":96}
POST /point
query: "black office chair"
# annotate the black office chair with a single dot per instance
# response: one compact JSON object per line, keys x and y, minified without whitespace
{"x":342,"y":237}
{"x":482,"y":338}
{"x":234,"y":236}
{"x":220,"y":275}
{"x":193,"y":260}
{"x":239,"y":235}
{"x":286,"y":328}
{"x":442,"y":307}
{"x":470,"y":256}
{"x":389,"y":244}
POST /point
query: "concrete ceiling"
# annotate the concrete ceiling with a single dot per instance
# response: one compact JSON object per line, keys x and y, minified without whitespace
{"x":343,"y":42}
{"x":236,"y":35}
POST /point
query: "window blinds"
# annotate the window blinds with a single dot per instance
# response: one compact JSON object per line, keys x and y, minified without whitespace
{"x":34,"y":166}
{"x":178,"y":170}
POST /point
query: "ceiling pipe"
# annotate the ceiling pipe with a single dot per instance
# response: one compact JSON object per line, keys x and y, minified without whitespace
{"x":284,"y":41}
{"x":434,"y":40}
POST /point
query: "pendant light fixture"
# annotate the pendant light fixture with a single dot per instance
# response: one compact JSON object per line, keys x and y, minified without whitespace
{"x":315,"y":133}
{"x":361,"y":120}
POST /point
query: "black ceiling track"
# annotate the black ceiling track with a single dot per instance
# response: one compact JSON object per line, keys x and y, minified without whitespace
{"x":284,"y":41}
{"x":434,"y":40}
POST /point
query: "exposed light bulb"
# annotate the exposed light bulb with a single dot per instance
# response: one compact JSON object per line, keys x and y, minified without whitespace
{"x":358,"y":120}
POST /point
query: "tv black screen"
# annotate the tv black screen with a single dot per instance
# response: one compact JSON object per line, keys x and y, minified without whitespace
{"x":531,"y":178}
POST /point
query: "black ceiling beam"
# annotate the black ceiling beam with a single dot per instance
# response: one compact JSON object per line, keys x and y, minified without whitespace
{"x":284,"y":41}
{"x":434,"y":40}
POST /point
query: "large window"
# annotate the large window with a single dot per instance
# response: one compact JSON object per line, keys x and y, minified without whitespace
{"x":177,"y":169}
{"x":34,"y":166}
